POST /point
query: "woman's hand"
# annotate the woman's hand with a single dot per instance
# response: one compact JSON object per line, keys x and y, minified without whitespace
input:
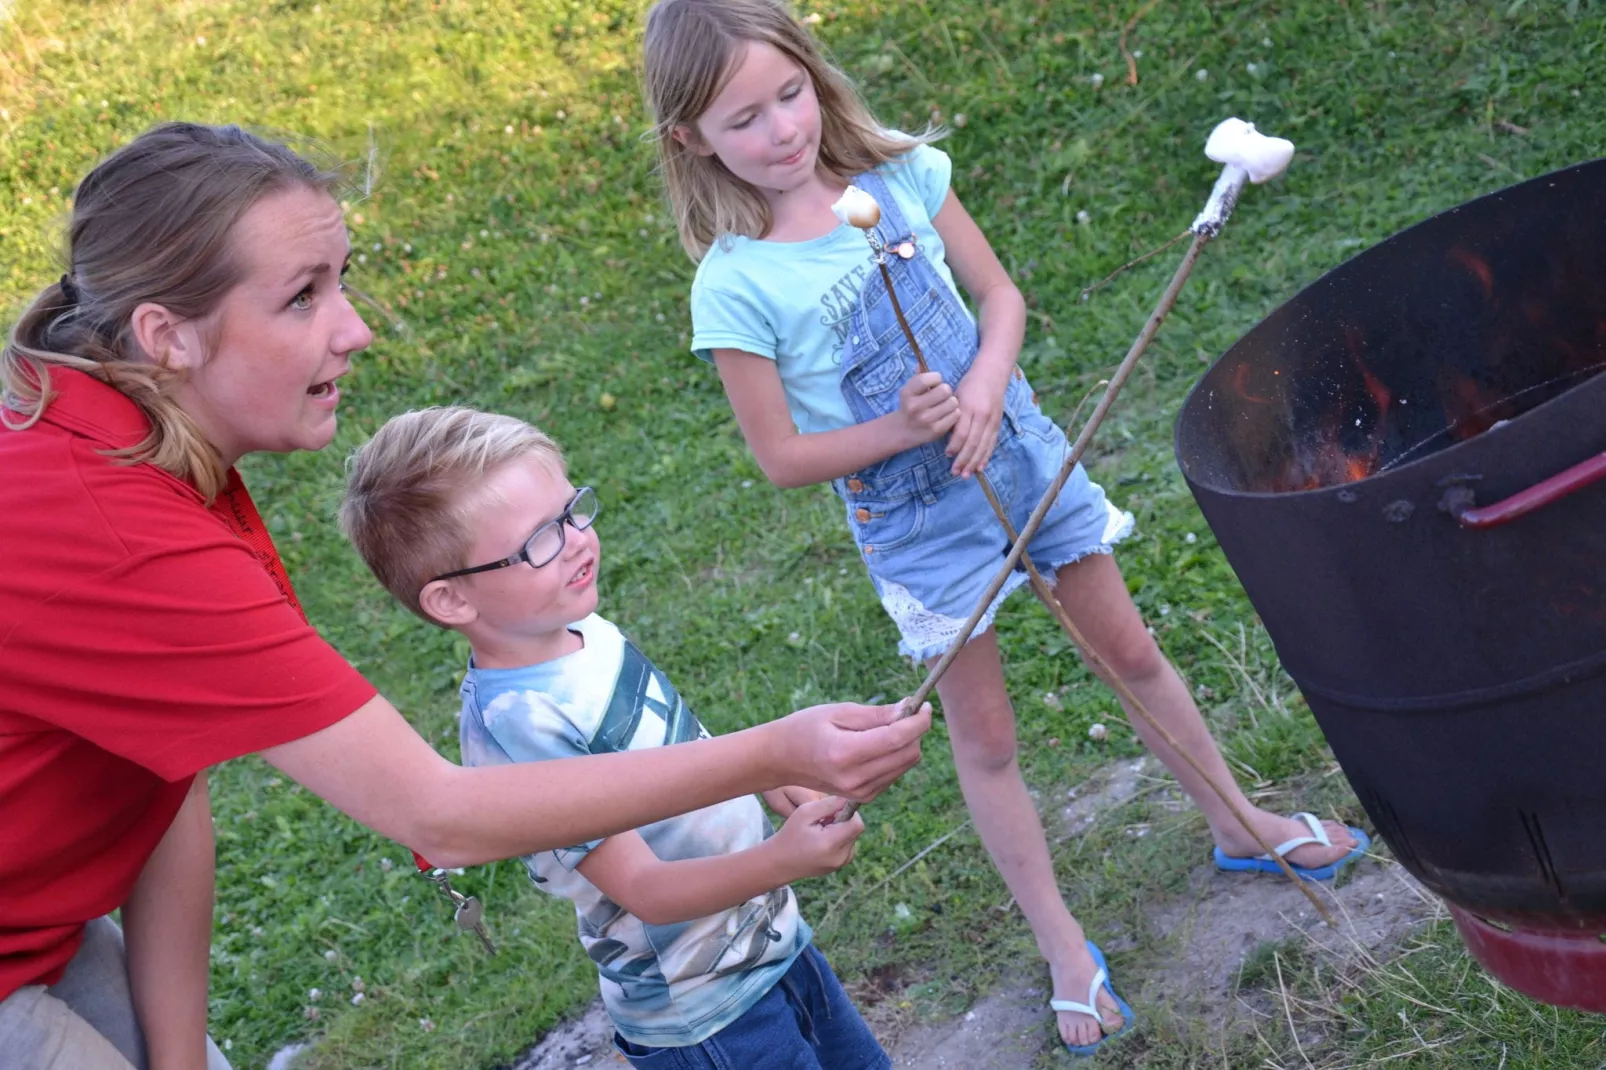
{"x":848,"y":749}
{"x":981,"y":409}
{"x":927,"y":407}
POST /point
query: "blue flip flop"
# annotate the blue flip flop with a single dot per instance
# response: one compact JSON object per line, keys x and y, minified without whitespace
{"x":1268,"y":864}
{"x":1101,"y":979}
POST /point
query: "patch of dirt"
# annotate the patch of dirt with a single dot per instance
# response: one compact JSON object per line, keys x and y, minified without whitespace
{"x":1002,"y":1031}
{"x":1113,"y":785}
{"x":1008,"y":1030}
{"x":586,"y":1041}
{"x":1226,"y":917}
{"x":1204,"y":935}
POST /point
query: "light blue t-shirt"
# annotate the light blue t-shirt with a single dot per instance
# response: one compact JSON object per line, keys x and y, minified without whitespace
{"x":664,"y":986}
{"x":792,"y":301}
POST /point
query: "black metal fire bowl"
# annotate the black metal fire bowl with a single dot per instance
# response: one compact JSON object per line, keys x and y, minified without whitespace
{"x":1340,"y":452}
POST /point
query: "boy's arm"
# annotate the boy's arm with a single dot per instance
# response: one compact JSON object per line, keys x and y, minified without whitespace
{"x":167,"y":935}
{"x":625,"y":870}
{"x":927,"y":410}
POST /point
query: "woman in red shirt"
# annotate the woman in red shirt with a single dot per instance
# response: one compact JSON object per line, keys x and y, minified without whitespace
{"x":148,"y":629}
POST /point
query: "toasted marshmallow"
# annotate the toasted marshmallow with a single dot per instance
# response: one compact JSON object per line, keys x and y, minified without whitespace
{"x":857,"y":208}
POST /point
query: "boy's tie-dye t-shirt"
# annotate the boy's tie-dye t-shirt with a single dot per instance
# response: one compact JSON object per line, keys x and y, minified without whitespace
{"x":663,"y":985}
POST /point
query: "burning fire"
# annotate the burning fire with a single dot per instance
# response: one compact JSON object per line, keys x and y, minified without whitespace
{"x":1345,"y":442}
{"x":1326,"y":417}
{"x":1476,"y":266}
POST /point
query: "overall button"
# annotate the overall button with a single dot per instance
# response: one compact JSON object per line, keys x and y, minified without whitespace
{"x":863,"y":515}
{"x":869,"y":550}
{"x":855,"y":485}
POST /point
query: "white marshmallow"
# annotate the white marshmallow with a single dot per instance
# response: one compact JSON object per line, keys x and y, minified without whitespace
{"x":857,"y":208}
{"x":1235,"y":142}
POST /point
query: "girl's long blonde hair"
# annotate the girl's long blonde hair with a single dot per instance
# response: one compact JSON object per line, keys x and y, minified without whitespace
{"x":690,"y":52}
{"x":151,"y":223}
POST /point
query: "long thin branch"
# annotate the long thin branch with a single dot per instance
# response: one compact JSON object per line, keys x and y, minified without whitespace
{"x":1130,"y":700}
{"x":1044,"y":591}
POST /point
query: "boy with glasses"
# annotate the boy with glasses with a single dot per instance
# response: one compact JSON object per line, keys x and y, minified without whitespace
{"x":470,"y":520}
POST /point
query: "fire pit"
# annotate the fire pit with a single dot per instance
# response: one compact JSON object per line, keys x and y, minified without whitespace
{"x":1397,"y":465}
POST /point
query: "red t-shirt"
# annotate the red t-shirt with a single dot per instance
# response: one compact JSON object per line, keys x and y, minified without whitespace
{"x":144,"y":636}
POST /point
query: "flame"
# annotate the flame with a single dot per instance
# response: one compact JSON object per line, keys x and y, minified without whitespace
{"x":1333,"y":421}
{"x":1476,"y":266}
{"x":1240,"y":385}
{"x":1356,"y":342}
{"x":1468,"y":409}
{"x":1322,"y":460}
{"x":1374,"y":386}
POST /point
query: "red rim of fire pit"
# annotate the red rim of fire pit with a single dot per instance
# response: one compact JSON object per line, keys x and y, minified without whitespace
{"x":1564,"y":969}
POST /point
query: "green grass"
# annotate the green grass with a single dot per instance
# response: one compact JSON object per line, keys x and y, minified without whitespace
{"x":1430,"y":1006}
{"x":515,"y":246}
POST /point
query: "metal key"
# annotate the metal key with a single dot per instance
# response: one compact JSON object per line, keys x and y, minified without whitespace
{"x":470,"y":917}
{"x":467,"y":911}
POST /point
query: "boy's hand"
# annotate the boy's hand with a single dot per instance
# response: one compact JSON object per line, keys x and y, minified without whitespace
{"x":981,"y":409}
{"x":927,"y":407}
{"x":811,"y":844}
{"x":847,"y":748}
{"x":785,"y":800}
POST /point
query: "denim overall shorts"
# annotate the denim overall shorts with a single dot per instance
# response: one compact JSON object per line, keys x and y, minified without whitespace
{"x":930,"y":539}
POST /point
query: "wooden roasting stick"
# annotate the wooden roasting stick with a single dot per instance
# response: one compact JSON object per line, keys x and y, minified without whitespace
{"x":1248,"y":156}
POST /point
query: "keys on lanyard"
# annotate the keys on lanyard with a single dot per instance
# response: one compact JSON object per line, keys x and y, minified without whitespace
{"x":467,"y":911}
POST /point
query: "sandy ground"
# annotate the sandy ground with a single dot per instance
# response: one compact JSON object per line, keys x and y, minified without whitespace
{"x":1211,"y":929}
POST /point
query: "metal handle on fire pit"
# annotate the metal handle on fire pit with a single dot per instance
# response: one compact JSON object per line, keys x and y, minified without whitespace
{"x":1458,"y":500}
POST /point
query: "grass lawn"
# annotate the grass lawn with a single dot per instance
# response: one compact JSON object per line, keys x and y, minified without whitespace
{"x":516,"y":250}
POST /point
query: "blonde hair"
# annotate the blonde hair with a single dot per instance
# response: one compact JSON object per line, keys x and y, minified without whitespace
{"x":692,"y":48}
{"x":410,"y":491}
{"x":151,"y":223}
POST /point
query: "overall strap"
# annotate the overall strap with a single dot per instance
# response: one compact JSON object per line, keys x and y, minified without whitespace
{"x":892,"y":228}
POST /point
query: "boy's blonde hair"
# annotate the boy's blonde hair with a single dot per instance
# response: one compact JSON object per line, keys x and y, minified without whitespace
{"x":410,"y":490}
{"x":691,"y":50}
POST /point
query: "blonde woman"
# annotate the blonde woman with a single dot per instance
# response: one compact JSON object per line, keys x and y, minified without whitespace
{"x":148,"y":629}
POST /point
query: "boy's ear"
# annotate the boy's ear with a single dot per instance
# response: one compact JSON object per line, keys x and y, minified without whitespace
{"x":167,"y":338}
{"x":688,"y":137}
{"x":446,"y":605}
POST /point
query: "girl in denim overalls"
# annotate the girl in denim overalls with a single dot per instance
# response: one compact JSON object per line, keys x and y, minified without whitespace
{"x":758,"y":136}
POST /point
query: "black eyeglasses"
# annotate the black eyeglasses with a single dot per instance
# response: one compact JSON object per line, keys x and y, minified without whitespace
{"x":546,"y":543}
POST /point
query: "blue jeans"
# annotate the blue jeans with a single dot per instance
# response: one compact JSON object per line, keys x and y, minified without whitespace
{"x":805,"y":1022}
{"x":930,"y":540}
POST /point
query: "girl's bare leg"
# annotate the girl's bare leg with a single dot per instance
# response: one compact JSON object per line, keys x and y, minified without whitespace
{"x":1094,"y":594}
{"x":981,"y":724}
